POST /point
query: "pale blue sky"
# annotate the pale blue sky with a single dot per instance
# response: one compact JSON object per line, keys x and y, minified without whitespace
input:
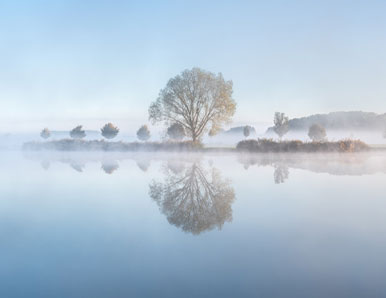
{"x":88,"y":62}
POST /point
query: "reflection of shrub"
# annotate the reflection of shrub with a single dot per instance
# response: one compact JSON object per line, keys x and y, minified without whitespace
{"x":110,"y":166}
{"x":269,"y":145}
{"x":101,"y":145}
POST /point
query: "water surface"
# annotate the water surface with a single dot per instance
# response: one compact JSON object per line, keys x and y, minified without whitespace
{"x":173,"y":225}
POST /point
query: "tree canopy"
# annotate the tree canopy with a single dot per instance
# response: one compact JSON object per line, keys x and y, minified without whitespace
{"x":78,"y":132}
{"x":195,"y":99}
{"x":176,"y":131}
{"x":109,"y":131}
{"x":317,"y":133}
{"x":143,"y":133}
{"x":45,"y":134}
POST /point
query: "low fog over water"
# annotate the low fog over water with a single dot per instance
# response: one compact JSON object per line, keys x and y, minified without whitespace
{"x":154,"y":225}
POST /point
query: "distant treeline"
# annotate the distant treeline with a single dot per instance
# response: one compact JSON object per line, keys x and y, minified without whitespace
{"x":339,"y":121}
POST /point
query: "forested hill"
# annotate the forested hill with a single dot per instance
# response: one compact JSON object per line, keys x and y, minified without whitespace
{"x":340,"y":121}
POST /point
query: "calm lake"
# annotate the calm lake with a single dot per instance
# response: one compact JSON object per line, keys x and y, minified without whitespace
{"x":175,"y":225}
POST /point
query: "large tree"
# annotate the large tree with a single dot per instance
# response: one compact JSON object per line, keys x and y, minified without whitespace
{"x":195,"y":99}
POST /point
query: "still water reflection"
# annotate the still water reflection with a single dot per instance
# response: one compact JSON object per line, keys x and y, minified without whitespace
{"x":194,"y":199}
{"x":144,"y":225}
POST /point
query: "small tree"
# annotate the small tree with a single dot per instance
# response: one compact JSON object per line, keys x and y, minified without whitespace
{"x":176,"y":131}
{"x":45,"y":134}
{"x":77,"y":132}
{"x":281,"y":126}
{"x":143,"y":133}
{"x":246,"y":131}
{"x":109,"y":131}
{"x":317,"y":133}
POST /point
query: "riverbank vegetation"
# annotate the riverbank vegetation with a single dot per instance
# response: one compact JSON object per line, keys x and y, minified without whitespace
{"x":102,"y":145}
{"x":269,"y":145}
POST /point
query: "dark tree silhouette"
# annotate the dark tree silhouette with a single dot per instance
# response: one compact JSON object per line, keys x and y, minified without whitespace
{"x":194,"y":200}
{"x":175,"y":166}
{"x":176,"y":131}
{"x":109,"y":131}
{"x":281,"y":126}
{"x":317,"y":133}
{"x":77,"y":133}
{"x":45,"y":133}
{"x":143,"y":133}
{"x":196,"y":99}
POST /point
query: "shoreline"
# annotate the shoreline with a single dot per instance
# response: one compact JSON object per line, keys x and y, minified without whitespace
{"x":246,"y":146}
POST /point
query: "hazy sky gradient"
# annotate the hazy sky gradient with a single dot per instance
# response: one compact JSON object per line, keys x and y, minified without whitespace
{"x":64,"y":63}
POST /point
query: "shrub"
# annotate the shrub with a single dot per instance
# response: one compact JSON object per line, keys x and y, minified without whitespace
{"x":269,"y":145}
{"x":176,"y":131}
{"x":109,"y":131}
{"x":143,"y":133}
{"x":317,"y":133}
{"x":45,"y":134}
{"x":77,"y":133}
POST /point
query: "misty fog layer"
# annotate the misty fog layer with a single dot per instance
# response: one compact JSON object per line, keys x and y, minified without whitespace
{"x":156,"y":224}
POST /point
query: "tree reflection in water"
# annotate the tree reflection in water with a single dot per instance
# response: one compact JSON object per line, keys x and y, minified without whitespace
{"x":194,"y":199}
{"x":143,"y":164}
{"x":77,"y":166}
{"x":281,"y":173}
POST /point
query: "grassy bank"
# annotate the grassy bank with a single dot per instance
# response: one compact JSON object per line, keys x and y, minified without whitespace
{"x":269,"y":145}
{"x":260,"y":145}
{"x":101,"y":145}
